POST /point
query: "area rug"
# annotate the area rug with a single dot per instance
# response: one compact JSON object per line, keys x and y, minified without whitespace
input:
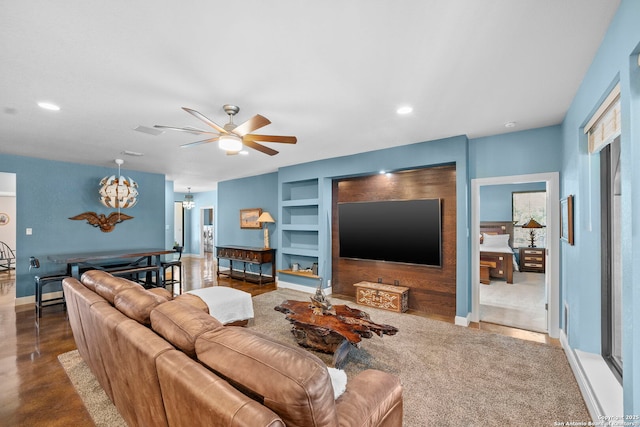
{"x":451,"y":375}
{"x":102,"y":411}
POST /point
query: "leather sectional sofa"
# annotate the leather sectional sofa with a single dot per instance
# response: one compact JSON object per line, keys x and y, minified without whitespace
{"x":165,"y":361}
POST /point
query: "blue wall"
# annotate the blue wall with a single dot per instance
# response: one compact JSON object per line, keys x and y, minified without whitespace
{"x":49,"y":192}
{"x":192,"y":236}
{"x":446,"y":151}
{"x":517,"y":153}
{"x":259,"y":191}
{"x":615,"y":61}
{"x":496,"y":200}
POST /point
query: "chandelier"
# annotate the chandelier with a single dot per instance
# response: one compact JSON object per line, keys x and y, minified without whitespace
{"x":188,"y":202}
{"x":118,"y":191}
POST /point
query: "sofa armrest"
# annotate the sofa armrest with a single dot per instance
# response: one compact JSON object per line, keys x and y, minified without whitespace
{"x":373,"y":398}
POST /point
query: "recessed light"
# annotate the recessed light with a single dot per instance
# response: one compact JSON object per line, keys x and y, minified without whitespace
{"x":243,"y":152}
{"x":510,"y":124}
{"x":48,"y":106}
{"x":404,"y":110}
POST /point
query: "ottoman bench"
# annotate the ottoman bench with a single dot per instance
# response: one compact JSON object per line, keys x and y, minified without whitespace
{"x":230,"y":306}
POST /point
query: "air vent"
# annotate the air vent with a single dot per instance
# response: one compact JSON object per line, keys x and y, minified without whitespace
{"x":148,"y":130}
{"x":132,"y":153}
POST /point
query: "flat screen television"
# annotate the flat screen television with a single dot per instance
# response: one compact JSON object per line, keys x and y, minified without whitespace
{"x":407,"y":231}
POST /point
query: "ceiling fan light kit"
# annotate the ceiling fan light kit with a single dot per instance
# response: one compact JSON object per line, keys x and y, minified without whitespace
{"x":230,"y":143}
{"x":231,"y":137}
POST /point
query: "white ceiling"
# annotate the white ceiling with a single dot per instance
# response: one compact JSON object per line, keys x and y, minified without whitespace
{"x":330,"y":72}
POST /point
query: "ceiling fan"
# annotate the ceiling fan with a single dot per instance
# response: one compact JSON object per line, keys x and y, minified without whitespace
{"x":231,"y":137}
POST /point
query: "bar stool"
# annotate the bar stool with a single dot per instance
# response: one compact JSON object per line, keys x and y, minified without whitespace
{"x":171,"y":265}
{"x":40,"y":283}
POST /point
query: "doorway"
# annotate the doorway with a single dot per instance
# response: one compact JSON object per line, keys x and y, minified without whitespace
{"x":206,"y":231}
{"x":552,"y":264}
{"x":8,"y":235}
{"x":517,"y":299}
{"x":178,"y":224}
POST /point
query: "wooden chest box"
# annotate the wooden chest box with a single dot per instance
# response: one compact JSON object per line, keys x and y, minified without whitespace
{"x":379,"y":295}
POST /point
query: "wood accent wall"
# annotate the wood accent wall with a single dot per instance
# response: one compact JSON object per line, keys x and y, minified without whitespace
{"x":432,"y":289}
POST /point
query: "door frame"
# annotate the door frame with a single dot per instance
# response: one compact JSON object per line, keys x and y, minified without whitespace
{"x":552,"y":268}
{"x":213,"y":213}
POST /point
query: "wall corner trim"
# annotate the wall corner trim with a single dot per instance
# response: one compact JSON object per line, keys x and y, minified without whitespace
{"x":463,"y":321}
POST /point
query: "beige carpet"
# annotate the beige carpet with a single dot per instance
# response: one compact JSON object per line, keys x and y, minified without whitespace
{"x":98,"y":404}
{"x":452,"y":376}
{"x":455,"y":376}
{"x":520,"y":304}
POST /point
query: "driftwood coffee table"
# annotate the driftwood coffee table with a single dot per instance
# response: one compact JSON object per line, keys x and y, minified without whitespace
{"x":333,"y":332}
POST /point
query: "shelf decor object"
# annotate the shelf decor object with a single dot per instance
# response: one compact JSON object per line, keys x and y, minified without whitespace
{"x":265,"y":217}
{"x":566,"y":219}
{"x":118,"y":191}
{"x":249,"y":218}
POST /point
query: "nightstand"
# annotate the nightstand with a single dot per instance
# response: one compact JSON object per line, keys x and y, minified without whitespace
{"x":532,"y":259}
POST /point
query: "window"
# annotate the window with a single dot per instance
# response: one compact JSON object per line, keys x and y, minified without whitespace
{"x":611,"y":215}
{"x":603,"y":131}
{"x":525,"y":206}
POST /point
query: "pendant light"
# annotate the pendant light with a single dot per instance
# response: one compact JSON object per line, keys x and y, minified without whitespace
{"x":188,"y":202}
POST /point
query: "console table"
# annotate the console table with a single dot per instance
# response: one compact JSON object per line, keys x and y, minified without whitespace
{"x":247,"y":255}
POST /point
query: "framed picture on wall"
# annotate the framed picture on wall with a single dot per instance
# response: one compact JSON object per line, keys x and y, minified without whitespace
{"x":249,"y":218}
{"x":566,"y":219}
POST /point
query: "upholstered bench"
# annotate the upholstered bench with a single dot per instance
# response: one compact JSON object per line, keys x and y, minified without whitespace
{"x":230,"y":306}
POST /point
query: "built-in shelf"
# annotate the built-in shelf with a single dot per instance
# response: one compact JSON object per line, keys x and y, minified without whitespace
{"x":300,"y":251}
{"x":300,"y":227}
{"x":300,"y":273}
{"x":300,"y":202}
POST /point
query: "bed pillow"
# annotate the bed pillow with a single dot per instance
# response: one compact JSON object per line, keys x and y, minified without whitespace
{"x":495,"y":240}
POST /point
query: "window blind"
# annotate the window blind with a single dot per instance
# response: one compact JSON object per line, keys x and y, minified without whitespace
{"x":604,"y":126}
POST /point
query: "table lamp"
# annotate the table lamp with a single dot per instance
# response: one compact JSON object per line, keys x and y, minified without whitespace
{"x":532,"y":225}
{"x":266,"y":217}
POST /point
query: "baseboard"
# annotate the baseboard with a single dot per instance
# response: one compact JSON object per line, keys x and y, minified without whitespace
{"x":296,"y":287}
{"x":601,"y":391}
{"x":463,"y":321}
{"x":31,"y":299}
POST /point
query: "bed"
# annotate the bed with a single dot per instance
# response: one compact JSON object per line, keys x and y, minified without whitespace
{"x":496,"y":254}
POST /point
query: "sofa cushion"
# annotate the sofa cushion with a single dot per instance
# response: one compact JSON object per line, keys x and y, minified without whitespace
{"x":194,"y":301}
{"x":162,"y":292}
{"x":195,"y":396}
{"x":106,"y":285}
{"x":181,"y":324}
{"x":137,"y":303}
{"x":290,"y":381}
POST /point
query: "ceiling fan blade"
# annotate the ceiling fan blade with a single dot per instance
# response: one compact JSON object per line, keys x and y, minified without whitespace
{"x":271,"y":138}
{"x":259,"y":147}
{"x":204,"y":141}
{"x":184,"y":129}
{"x":205,"y":119}
{"x":255,"y":122}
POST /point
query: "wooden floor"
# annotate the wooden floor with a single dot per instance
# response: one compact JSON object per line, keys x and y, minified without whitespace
{"x":34,"y":389}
